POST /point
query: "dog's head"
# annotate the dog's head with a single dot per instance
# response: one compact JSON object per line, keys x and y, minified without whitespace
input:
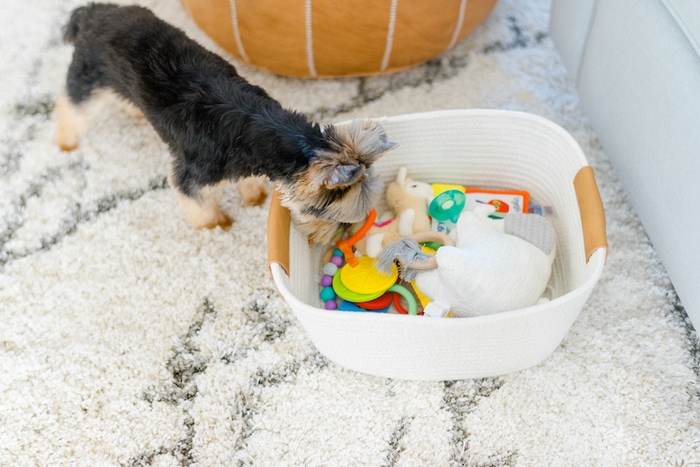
{"x":340,"y":186}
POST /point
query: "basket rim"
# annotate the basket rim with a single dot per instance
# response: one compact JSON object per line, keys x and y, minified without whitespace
{"x":481,"y":112}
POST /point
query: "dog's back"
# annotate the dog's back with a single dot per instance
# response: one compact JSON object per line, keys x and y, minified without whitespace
{"x":182,"y":88}
{"x":217,"y":126}
{"x":114,"y":45}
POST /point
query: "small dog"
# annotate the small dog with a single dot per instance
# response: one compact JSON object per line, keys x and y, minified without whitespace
{"x":218,"y":126}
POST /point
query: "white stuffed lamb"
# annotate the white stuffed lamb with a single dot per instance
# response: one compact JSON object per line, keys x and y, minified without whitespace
{"x":496,"y":264}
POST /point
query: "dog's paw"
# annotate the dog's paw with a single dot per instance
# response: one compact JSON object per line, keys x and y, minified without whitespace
{"x":253,"y":190}
{"x":133,"y":111}
{"x":66,"y":144}
{"x":223,"y":220}
{"x":68,"y":128}
{"x":66,"y":137}
{"x":203,"y":213}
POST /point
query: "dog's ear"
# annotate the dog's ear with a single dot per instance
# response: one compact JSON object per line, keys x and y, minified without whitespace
{"x":328,"y":170}
{"x":365,"y":140}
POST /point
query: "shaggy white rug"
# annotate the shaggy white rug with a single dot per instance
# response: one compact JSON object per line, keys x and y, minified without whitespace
{"x":128,"y":338}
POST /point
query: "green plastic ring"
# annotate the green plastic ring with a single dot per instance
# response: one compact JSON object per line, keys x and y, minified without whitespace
{"x":405,"y":293}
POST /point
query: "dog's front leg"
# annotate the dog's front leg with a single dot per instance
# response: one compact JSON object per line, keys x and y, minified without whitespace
{"x":253,"y":190}
{"x":203,"y":211}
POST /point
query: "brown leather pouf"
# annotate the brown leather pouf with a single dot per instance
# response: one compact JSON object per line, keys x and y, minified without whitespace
{"x":331,"y":38}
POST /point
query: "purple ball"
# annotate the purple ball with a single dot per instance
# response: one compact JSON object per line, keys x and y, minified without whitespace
{"x":331,"y":305}
{"x":327,"y":280}
{"x":337,"y":260}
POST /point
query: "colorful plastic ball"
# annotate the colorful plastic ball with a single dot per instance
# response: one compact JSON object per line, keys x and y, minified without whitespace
{"x":331,"y":305}
{"x":330,"y":269}
{"x":327,"y":281}
{"x":327,"y":293}
{"x":338,"y":252}
{"x":337,"y":260}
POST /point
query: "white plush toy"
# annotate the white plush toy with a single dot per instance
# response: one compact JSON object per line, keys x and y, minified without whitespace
{"x":496,"y":264}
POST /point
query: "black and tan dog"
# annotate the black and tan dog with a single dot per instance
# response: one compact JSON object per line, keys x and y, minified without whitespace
{"x":218,"y":126}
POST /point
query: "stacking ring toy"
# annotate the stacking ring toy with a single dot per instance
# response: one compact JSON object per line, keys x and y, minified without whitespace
{"x":404,"y":292}
{"x":365,"y":279}
{"x":357,"y":280}
{"x":378,"y":303}
{"x":350,"y":295}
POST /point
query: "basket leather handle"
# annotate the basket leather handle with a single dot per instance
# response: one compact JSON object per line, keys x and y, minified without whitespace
{"x":592,"y":212}
{"x":278,"y":222}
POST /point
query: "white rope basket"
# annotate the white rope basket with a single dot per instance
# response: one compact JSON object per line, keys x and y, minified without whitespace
{"x":477,"y":148}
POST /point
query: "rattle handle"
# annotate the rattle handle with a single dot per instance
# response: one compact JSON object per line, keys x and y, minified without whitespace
{"x":346,"y":245}
{"x":364,"y":229}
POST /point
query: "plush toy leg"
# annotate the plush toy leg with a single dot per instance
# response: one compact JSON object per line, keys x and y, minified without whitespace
{"x":374,"y":245}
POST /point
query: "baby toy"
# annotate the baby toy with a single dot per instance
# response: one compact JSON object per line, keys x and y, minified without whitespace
{"x":504,"y":200}
{"x":362,"y":284}
{"x":408,"y":201}
{"x":357,"y":282}
{"x":446,"y":207}
{"x":495,"y":265}
{"x":342,"y":254}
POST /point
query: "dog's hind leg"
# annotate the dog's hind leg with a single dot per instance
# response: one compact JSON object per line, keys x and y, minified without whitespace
{"x":76,"y":107}
{"x":74,"y":119}
{"x":203,"y":211}
{"x":70,"y":124}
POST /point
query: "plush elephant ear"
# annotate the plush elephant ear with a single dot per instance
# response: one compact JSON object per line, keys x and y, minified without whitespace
{"x":531,"y":228}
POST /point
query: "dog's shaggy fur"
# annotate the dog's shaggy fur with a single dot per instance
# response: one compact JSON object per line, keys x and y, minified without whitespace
{"x":218,"y":126}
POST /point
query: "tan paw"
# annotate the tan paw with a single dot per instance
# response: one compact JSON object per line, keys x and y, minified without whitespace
{"x":204,"y":213}
{"x":253,"y":190}
{"x":223,"y":220}
{"x":133,"y":111}
{"x":68,"y":129}
{"x":66,"y":144}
